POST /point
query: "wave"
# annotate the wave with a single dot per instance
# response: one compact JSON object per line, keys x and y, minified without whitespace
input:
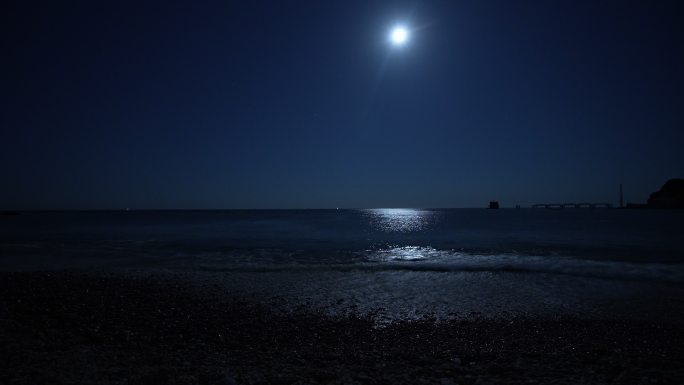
{"x":612,"y":270}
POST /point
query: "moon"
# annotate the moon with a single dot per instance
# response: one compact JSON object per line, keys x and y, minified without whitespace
{"x":399,"y":35}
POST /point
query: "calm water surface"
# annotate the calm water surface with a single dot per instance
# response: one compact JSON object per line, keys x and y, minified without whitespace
{"x":404,"y":260}
{"x":192,"y":239}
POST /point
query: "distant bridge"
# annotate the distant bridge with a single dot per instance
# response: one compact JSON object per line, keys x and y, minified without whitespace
{"x":572,"y":206}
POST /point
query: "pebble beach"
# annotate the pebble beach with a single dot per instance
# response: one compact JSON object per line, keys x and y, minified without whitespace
{"x":109,"y":328}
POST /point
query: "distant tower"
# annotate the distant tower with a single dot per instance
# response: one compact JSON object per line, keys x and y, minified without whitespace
{"x":621,"y":201}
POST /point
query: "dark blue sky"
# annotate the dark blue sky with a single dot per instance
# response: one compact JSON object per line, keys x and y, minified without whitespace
{"x":304,"y":104}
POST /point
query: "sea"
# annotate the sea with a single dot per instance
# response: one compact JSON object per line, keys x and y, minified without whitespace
{"x":393,"y":263}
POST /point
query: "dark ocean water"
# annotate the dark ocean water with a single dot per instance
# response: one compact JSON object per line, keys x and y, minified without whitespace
{"x":456,"y":259}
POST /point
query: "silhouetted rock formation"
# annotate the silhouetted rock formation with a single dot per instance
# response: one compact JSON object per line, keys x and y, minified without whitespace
{"x":670,"y":196}
{"x":494,"y":205}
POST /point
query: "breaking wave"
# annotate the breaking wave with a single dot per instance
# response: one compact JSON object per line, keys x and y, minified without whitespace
{"x":425,"y":259}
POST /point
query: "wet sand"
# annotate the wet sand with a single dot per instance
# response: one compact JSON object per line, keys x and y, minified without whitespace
{"x":80,"y":328}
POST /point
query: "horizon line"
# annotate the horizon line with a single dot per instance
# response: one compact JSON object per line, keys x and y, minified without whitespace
{"x":257,"y":209}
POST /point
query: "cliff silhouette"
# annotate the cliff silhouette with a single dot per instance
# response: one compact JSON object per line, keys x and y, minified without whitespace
{"x":670,"y":196}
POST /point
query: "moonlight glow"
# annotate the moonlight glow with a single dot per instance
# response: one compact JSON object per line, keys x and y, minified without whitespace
{"x":399,"y":35}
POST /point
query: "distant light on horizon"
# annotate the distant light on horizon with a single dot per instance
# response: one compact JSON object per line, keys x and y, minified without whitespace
{"x":399,"y":35}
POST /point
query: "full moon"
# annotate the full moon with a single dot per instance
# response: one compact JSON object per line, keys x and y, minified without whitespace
{"x":399,"y":35}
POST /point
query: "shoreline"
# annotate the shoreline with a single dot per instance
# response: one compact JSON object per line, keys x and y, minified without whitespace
{"x":76,"y":327}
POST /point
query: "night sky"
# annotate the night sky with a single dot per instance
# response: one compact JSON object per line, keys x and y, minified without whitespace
{"x":306,"y":104}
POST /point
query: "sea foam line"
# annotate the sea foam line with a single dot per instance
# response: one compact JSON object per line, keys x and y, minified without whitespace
{"x":612,"y":270}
